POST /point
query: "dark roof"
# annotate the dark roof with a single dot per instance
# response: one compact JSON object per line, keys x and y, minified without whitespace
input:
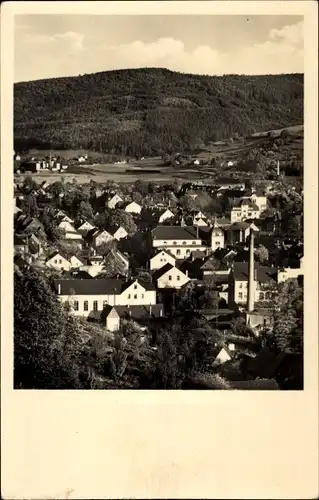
{"x":256,"y":385}
{"x":174,"y":232}
{"x":147,"y":285}
{"x":79,"y":274}
{"x":140,"y":312}
{"x":264,"y":273}
{"x":159,"y":272}
{"x":90,"y":286}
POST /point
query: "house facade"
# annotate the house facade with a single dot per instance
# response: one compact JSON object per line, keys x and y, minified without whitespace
{"x":114,"y":200}
{"x":170,"y":277}
{"x":59,"y":262}
{"x":90,"y":296}
{"x":161,"y":259}
{"x":265,"y":280}
{"x":133,"y":208}
{"x":179,"y":240}
{"x":245,"y":209}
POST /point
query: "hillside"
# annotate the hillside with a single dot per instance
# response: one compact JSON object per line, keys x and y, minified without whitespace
{"x":151,"y":111}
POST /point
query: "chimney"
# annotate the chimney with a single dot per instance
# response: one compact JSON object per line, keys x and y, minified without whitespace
{"x":251,"y":274}
{"x":59,"y":289}
{"x":150,"y":309}
{"x":278,"y":168}
{"x":197,"y":232}
{"x":161,"y":312}
{"x":186,"y":272}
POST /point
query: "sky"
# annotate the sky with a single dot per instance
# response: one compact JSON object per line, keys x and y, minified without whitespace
{"x":47,"y":46}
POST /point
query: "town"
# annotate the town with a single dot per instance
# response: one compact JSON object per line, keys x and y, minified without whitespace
{"x":193,"y":285}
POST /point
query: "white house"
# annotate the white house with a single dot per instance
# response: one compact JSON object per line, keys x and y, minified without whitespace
{"x":161,"y":259}
{"x":260,"y":201}
{"x":75,"y":262}
{"x":265,"y":281}
{"x":70,"y":233}
{"x":199,"y":222}
{"x":114,"y":200}
{"x":58,"y":261}
{"x":244,"y":209}
{"x":170,"y":276}
{"x":101,"y":237}
{"x":179,"y":240}
{"x":118,"y":232}
{"x":223,"y":356}
{"x":85,"y":228}
{"x":112,"y":319}
{"x":92,"y":295}
{"x":289,"y":273}
{"x":133,"y":208}
{"x":165,"y":214}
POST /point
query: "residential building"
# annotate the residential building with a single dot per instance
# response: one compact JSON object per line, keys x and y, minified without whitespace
{"x":161,"y":259}
{"x":91,"y":295}
{"x":117,"y":232}
{"x":238,"y":232}
{"x":180,"y":241}
{"x":132,"y":207}
{"x":99,"y":237}
{"x":114,"y":200}
{"x":58,"y":261}
{"x":164,"y":215}
{"x":244,"y":209}
{"x":264,"y":283}
{"x":70,"y":233}
{"x":170,"y":276}
{"x":85,"y":227}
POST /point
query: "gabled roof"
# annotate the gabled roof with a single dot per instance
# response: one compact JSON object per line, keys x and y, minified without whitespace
{"x":140,"y":312}
{"x":163,"y":270}
{"x":174,"y":233}
{"x":164,"y":250}
{"x":90,"y":286}
{"x":54,"y":254}
{"x":265,"y":274}
{"x":145,"y":284}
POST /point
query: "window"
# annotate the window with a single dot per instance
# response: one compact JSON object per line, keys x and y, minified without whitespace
{"x":261,"y":296}
{"x":240,"y":295}
{"x":104,"y":303}
{"x":178,"y":278}
{"x":170,"y":277}
{"x":188,"y":251}
{"x":240,"y":285}
{"x":135,"y":296}
{"x":95,"y":305}
{"x":86,"y":305}
{"x":135,"y":287}
{"x":217,"y":243}
{"x":76,"y":305}
{"x":268,"y":295}
{"x":129,"y":296}
{"x":142,"y":296}
{"x":184,"y":242}
{"x":174,"y":242}
{"x":60,"y":261}
{"x":178,"y":252}
{"x":165,"y":242}
{"x":55,"y":261}
{"x":193,"y":242}
{"x":249,"y":214}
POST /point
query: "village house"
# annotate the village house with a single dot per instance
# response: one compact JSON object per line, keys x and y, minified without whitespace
{"x":69,"y":231}
{"x":114,"y":200}
{"x":265,"y":280}
{"x":161,"y":258}
{"x":141,"y":315}
{"x":170,"y":276}
{"x":20,"y":244}
{"x":85,"y":227}
{"x":244,"y":209}
{"x":58,"y":261}
{"x":132,"y":207}
{"x":91,"y":295}
{"x":180,"y":241}
{"x":238,"y":232}
{"x":117,"y":232}
{"x":287,"y":273}
{"x":99,"y":237}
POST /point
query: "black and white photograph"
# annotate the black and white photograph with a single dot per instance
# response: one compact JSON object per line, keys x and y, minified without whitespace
{"x":158,"y":166}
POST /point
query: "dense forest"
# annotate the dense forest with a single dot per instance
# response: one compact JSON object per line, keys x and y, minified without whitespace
{"x":151,"y":111}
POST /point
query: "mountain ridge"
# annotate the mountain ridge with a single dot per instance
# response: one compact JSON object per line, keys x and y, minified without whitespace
{"x":151,"y":110}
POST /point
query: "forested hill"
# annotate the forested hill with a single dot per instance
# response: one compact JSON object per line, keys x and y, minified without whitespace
{"x":149,"y":111}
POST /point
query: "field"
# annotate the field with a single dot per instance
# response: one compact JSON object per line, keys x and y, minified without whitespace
{"x":153,"y":169}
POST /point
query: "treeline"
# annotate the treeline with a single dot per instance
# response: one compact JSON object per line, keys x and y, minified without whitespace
{"x":151,"y":111}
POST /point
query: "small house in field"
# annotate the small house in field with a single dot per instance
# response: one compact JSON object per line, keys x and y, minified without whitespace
{"x":114,"y":200}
